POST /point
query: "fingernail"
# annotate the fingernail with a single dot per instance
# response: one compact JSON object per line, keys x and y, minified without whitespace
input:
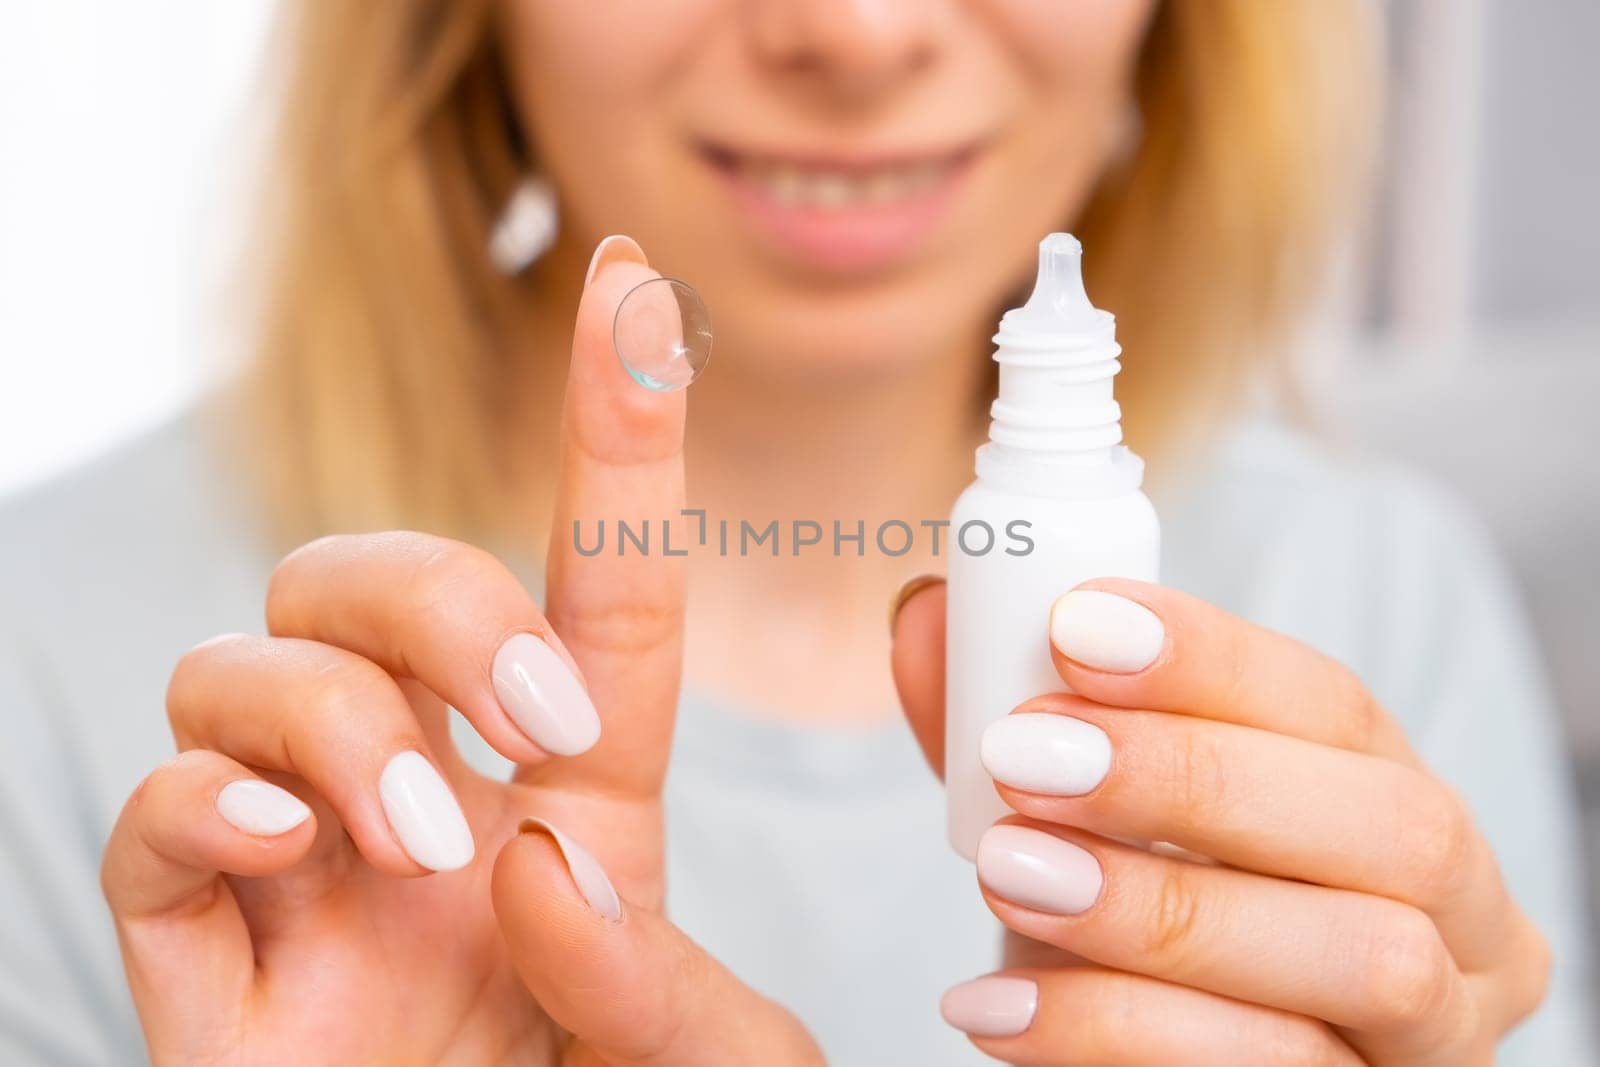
{"x":543,"y":697}
{"x":616,"y":248}
{"x":996,"y":1005}
{"x":1042,"y":753}
{"x":587,"y":874}
{"x":261,"y":808}
{"x":1038,"y":870}
{"x":1105,"y":631}
{"x":424,"y":814}
{"x":909,"y":589}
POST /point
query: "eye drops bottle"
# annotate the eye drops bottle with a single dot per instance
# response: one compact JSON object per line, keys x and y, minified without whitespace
{"x":1057,"y":501}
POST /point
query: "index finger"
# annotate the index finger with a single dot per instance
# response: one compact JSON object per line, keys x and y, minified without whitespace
{"x":1136,"y":645}
{"x":616,"y":598}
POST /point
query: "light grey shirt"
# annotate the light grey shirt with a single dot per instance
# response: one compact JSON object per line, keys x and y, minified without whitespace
{"x":810,"y":859}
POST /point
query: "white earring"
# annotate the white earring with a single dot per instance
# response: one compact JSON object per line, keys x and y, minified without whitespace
{"x":526,"y":228}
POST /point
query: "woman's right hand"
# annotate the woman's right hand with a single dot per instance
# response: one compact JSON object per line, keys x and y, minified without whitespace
{"x":274,"y":887}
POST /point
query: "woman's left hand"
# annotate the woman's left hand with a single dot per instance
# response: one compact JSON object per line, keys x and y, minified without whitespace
{"x":1328,"y":899}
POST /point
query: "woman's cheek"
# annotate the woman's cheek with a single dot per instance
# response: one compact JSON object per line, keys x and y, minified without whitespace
{"x":606,"y":49}
{"x":1081,"y":45}
{"x":597,"y":96}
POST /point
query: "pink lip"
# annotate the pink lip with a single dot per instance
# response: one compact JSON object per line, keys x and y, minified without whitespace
{"x":848,"y":239}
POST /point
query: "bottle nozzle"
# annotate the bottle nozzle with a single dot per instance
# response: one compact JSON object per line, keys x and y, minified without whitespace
{"x":1059,"y":303}
{"x":1057,"y":356}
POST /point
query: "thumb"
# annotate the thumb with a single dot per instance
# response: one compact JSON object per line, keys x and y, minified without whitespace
{"x":630,"y":987}
{"x":916,"y":657}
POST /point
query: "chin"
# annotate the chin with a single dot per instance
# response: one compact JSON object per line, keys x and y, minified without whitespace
{"x":810,"y":340}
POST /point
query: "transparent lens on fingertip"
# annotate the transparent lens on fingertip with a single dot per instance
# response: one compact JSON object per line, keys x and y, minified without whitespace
{"x":662,"y":334}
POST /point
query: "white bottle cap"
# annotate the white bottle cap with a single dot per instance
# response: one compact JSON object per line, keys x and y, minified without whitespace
{"x":1056,"y":427}
{"x":1059,"y":304}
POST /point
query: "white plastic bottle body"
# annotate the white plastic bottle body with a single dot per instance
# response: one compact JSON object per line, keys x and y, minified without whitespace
{"x":998,"y":646}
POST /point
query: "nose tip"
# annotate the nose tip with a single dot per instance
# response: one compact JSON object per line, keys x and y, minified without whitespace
{"x":854,"y":47}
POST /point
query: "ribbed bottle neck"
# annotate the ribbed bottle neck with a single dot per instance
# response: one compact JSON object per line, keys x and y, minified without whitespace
{"x":1055,"y":427}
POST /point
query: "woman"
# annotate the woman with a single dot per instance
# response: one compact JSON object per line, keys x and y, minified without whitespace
{"x":857,"y":190}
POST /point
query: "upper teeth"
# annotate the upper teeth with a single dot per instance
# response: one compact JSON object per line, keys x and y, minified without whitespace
{"x":842,"y":189}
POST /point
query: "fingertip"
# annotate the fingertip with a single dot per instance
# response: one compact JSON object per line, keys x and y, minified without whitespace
{"x":539,"y":688}
{"x":260,"y":856}
{"x":523,"y":873}
{"x":172,"y":836}
{"x":271,"y":828}
{"x":423,"y":814}
{"x":991,"y":1006}
{"x":1105,"y":630}
{"x":911,"y":590}
{"x":608,"y":412}
{"x":554,"y":932}
{"x":617,"y":248}
{"x":259,"y":808}
{"x":584,"y":874}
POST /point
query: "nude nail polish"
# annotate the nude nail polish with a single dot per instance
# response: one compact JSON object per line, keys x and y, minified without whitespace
{"x":1038,"y":870}
{"x":1051,"y":754}
{"x":587,"y":874}
{"x":996,"y":1005}
{"x":424,"y":814}
{"x":614,"y":248}
{"x":1106,"y":631}
{"x":260,"y":808}
{"x":543,"y":697}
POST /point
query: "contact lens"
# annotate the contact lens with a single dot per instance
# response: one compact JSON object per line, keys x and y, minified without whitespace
{"x":662,"y":334}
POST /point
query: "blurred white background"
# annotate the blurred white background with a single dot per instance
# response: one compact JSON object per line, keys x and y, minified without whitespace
{"x":1470,"y":344}
{"x":122,"y":127}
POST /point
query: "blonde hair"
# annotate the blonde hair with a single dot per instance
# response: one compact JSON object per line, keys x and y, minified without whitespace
{"x":372,"y":399}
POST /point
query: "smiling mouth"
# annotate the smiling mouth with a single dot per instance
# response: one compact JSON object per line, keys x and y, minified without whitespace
{"x":842,"y":214}
{"x":838,"y":185}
